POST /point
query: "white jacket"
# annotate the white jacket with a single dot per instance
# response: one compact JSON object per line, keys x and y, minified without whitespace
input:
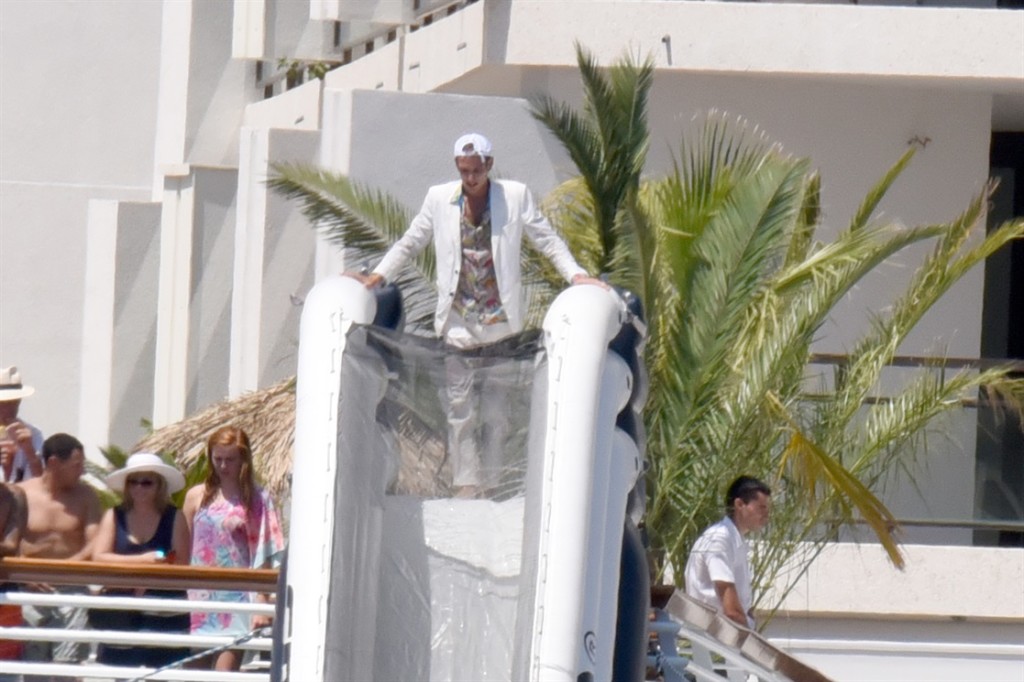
{"x":513,"y":212}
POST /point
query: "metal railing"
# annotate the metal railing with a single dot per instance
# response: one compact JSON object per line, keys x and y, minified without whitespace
{"x":94,"y":574}
{"x":987,"y":404}
{"x":714,"y":647}
{"x":273,"y":79}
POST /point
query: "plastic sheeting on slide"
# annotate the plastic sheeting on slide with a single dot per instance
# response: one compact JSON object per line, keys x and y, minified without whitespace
{"x":426,"y":584}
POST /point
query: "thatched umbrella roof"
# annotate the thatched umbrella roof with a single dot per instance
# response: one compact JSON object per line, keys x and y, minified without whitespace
{"x":267,"y":415}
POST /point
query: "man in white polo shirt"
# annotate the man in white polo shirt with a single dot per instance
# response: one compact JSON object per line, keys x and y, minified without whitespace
{"x":718,"y":569}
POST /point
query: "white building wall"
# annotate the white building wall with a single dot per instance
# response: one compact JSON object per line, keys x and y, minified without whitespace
{"x":135,"y":316}
{"x":213,"y":249}
{"x":391,"y":152}
{"x":78,"y":84}
{"x":120,"y":314}
{"x":274,"y":260}
{"x":836,"y":40}
{"x":219,"y":87}
{"x":954,"y":613}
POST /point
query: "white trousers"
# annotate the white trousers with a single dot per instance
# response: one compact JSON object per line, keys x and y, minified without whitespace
{"x":476,"y":400}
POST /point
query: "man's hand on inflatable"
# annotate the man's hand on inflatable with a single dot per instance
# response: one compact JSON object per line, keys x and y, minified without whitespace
{"x":587,"y":279}
{"x":369,"y":281}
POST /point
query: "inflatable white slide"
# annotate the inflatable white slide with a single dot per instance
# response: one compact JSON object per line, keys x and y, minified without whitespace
{"x":393,"y":572}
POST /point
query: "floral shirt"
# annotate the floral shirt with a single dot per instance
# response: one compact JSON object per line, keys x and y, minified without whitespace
{"x":224,"y":535}
{"x":476,"y":297}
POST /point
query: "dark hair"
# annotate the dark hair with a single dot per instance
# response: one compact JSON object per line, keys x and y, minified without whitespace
{"x":60,"y":445}
{"x":745,"y":488}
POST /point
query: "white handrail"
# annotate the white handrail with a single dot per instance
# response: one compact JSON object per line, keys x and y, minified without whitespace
{"x":86,"y":669}
{"x":1015,"y":651}
{"x":30,"y":670}
{"x":135,"y":603}
{"x":152,"y":639}
{"x":718,"y":646}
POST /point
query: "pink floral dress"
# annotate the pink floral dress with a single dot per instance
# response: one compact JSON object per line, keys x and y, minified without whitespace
{"x":222,"y":535}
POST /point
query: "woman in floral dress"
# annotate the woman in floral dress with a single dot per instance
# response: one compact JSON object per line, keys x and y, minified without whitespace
{"x":233,"y":523}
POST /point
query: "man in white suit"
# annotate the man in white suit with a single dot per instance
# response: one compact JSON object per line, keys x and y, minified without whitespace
{"x":477,"y":226}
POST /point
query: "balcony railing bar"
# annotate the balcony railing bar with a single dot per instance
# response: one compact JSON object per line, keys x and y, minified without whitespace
{"x":972,"y":524}
{"x":60,"y":572}
{"x":930,"y":362}
{"x":30,"y":670}
{"x":139,"y":603}
{"x":937,"y":362}
{"x":971,"y":403}
{"x":1014,"y":651}
{"x":268,"y":79}
{"x":154,"y":639}
{"x":268,"y":75}
{"x":158,"y":576}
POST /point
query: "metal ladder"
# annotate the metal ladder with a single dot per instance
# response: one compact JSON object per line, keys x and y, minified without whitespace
{"x":715,"y":647}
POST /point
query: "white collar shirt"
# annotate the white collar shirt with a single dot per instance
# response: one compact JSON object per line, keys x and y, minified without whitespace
{"x":721,"y":554}
{"x":20,"y":471}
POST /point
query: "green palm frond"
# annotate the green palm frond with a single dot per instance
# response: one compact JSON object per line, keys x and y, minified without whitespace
{"x":572,"y":130}
{"x":879,"y":190}
{"x":803,"y":234}
{"x":853,"y":255}
{"x":726,"y":153}
{"x":894,"y":426}
{"x":734,"y":257}
{"x":364,"y":223}
{"x":607,"y":141}
{"x":570,"y":209}
{"x":811,"y":469}
{"x":936,"y":275}
{"x":347,"y":214}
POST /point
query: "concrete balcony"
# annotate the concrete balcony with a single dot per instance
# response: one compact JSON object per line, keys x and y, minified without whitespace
{"x":496,"y":48}
{"x":392,"y":12}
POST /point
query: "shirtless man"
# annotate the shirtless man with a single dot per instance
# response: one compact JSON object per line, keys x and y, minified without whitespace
{"x":63,"y":512}
{"x":13,"y":514}
{"x":63,"y":517}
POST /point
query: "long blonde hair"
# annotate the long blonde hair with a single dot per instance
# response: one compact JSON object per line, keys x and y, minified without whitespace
{"x":229,"y":436}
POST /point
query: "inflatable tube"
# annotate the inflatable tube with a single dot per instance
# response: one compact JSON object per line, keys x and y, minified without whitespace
{"x":331,"y":308}
{"x":634,"y":603}
{"x":371,"y":567}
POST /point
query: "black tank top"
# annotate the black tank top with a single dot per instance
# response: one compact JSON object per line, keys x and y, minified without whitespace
{"x":163,"y":538}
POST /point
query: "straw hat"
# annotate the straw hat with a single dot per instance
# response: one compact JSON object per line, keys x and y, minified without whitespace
{"x":11,"y":387}
{"x":146,"y":461}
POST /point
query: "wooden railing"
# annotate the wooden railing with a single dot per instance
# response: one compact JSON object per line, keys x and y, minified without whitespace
{"x":117,"y":575}
{"x":154,"y":576}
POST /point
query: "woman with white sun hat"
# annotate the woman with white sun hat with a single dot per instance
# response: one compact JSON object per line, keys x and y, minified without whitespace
{"x":144,"y":529}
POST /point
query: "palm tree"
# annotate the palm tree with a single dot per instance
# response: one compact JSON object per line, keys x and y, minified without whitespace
{"x":726,"y":256}
{"x":737,"y":286}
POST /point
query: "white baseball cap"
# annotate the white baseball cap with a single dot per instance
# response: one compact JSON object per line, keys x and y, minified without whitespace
{"x":473,"y":144}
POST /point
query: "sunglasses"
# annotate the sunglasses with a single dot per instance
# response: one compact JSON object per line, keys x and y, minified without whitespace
{"x":142,"y":482}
